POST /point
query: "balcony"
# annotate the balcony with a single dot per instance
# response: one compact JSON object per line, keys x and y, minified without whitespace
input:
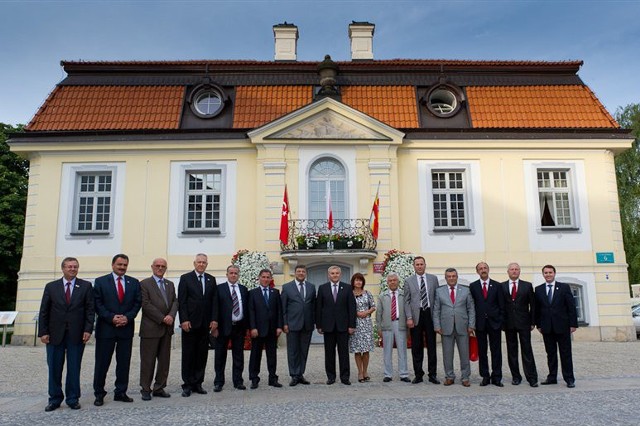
{"x":313,"y":235}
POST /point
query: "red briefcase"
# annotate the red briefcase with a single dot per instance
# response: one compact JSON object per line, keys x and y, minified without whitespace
{"x":473,"y":348}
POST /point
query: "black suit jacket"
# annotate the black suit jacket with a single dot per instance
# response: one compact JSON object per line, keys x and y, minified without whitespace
{"x":107,"y":306}
{"x":489,"y":312}
{"x":559,"y":315}
{"x":194,"y":306}
{"x":519,"y":314}
{"x":56,"y":316}
{"x":266,"y":319}
{"x":223,"y":314}
{"x":339,"y":315}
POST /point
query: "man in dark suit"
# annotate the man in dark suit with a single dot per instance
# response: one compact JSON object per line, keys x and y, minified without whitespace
{"x":159,"y":307}
{"x":556,"y":318}
{"x":489,"y":303}
{"x":519,"y":309}
{"x":298,"y":310}
{"x":65,"y":324}
{"x":419,"y":293}
{"x":117,"y":300}
{"x":336,"y":320}
{"x":265,"y":323}
{"x":230,"y":322}
{"x":197,"y":298}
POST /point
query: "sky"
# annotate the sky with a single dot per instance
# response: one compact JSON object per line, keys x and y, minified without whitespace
{"x":35,"y":35}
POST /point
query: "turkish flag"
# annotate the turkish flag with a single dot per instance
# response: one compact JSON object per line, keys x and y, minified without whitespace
{"x":284,"y":219}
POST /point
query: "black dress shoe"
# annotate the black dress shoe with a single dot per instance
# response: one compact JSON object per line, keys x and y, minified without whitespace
{"x":217,"y":388}
{"x":146,"y":396}
{"x":571,"y":384}
{"x":294,"y":381}
{"x":346,"y":382}
{"x":405,"y":379}
{"x":99,"y":402}
{"x":304,"y":381}
{"x":485,"y":381}
{"x":275,"y":384}
{"x":254,"y":384}
{"x":123,"y":397}
{"x":51,"y":407}
{"x":533,"y":384}
{"x":198,"y":389}
{"x":417,"y":380}
{"x":434,"y":380}
{"x":388,"y":379}
{"x":74,"y":406}
{"x":331,"y":381}
{"x":161,"y":394}
{"x":516,"y":382}
{"x":186,"y":393}
{"x":498,"y":383}
{"x":240,"y":386}
{"x":549,"y":382}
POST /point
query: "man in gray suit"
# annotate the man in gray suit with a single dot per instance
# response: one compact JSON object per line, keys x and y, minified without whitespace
{"x":454,"y":318}
{"x":298,"y":309}
{"x":419,"y":293}
{"x":391,"y":321}
{"x":159,"y":307}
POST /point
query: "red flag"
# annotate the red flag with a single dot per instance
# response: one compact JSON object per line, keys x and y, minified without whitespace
{"x":330,"y":221}
{"x":375,"y":215}
{"x":284,"y":219}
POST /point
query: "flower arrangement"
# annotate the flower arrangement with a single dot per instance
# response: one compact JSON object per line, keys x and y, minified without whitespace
{"x":399,"y":262}
{"x":339,"y":240}
{"x":250,"y":264}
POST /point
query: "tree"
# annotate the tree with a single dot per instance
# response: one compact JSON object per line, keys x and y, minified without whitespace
{"x":628,"y":177}
{"x":14,"y":179}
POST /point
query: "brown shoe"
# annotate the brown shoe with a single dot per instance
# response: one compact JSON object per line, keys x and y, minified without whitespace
{"x":466,"y":383}
{"x":448,"y":382}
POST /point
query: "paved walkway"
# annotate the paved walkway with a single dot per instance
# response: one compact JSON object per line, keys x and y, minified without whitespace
{"x":607,"y":391}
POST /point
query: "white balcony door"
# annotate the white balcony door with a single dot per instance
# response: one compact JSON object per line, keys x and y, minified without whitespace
{"x":327,"y":176}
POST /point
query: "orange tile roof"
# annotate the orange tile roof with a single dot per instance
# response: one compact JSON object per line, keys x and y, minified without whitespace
{"x":537,"y":107}
{"x":258,"y":105}
{"x":393,"y":105}
{"x":110,"y":108}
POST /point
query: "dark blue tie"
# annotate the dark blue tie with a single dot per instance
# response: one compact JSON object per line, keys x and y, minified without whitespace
{"x":550,"y":293}
{"x":266,"y":295}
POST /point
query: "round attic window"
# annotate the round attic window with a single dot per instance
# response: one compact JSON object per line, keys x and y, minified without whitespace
{"x":442,"y":101}
{"x":207,"y":101}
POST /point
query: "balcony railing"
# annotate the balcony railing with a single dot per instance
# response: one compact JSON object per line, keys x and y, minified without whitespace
{"x":314,"y":234}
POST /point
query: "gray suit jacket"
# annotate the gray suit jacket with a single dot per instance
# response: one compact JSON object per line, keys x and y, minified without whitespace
{"x":383,"y":311}
{"x":446,"y":315}
{"x":299,"y":314}
{"x":412,"y":301}
{"x":154,"y":308}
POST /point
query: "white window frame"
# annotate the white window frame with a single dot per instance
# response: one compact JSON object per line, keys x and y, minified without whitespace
{"x":327,"y":186}
{"x":552,"y":189}
{"x":203,"y":169}
{"x":465,"y":191}
{"x":578,"y":293}
{"x":78,"y":174}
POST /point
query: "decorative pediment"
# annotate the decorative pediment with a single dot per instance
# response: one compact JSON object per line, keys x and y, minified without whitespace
{"x":328,"y":125}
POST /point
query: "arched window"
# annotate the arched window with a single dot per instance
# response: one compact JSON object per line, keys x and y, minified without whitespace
{"x":327,"y":175}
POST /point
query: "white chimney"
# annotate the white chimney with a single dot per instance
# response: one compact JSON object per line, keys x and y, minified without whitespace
{"x":361,"y":36}
{"x":286,"y":38}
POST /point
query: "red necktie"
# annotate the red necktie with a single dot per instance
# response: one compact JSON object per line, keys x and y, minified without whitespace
{"x":67,"y":293}
{"x":484,"y":290}
{"x":514,"y":290}
{"x":453,"y":296}
{"x":394,"y":306}
{"x":120,"y":291}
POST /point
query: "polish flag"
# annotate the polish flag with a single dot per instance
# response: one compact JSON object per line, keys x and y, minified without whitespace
{"x":330,"y":221}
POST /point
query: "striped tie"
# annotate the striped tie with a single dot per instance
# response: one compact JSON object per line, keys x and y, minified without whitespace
{"x":236,"y":302}
{"x":394,"y":306}
{"x":423,"y":294}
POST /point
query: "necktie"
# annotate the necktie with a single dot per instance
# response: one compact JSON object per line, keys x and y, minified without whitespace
{"x":453,"y":296}
{"x":202,"y":283}
{"x":514,"y":291}
{"x":424,"y":298}
{"x":335,"y":292}
{"x":67,"y":293}
{"x":120,"y":291}
{"x":550,"y":292}
{"x":394,"y":306}
{"x":163,"y":290}
{"x":484,"y":290}
{"x":265,"y":293}
{"x":235,"y":301}
{"x":302,"y":290}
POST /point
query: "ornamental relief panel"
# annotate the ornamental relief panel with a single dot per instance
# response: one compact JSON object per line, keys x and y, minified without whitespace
{"x":328,"y":125}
